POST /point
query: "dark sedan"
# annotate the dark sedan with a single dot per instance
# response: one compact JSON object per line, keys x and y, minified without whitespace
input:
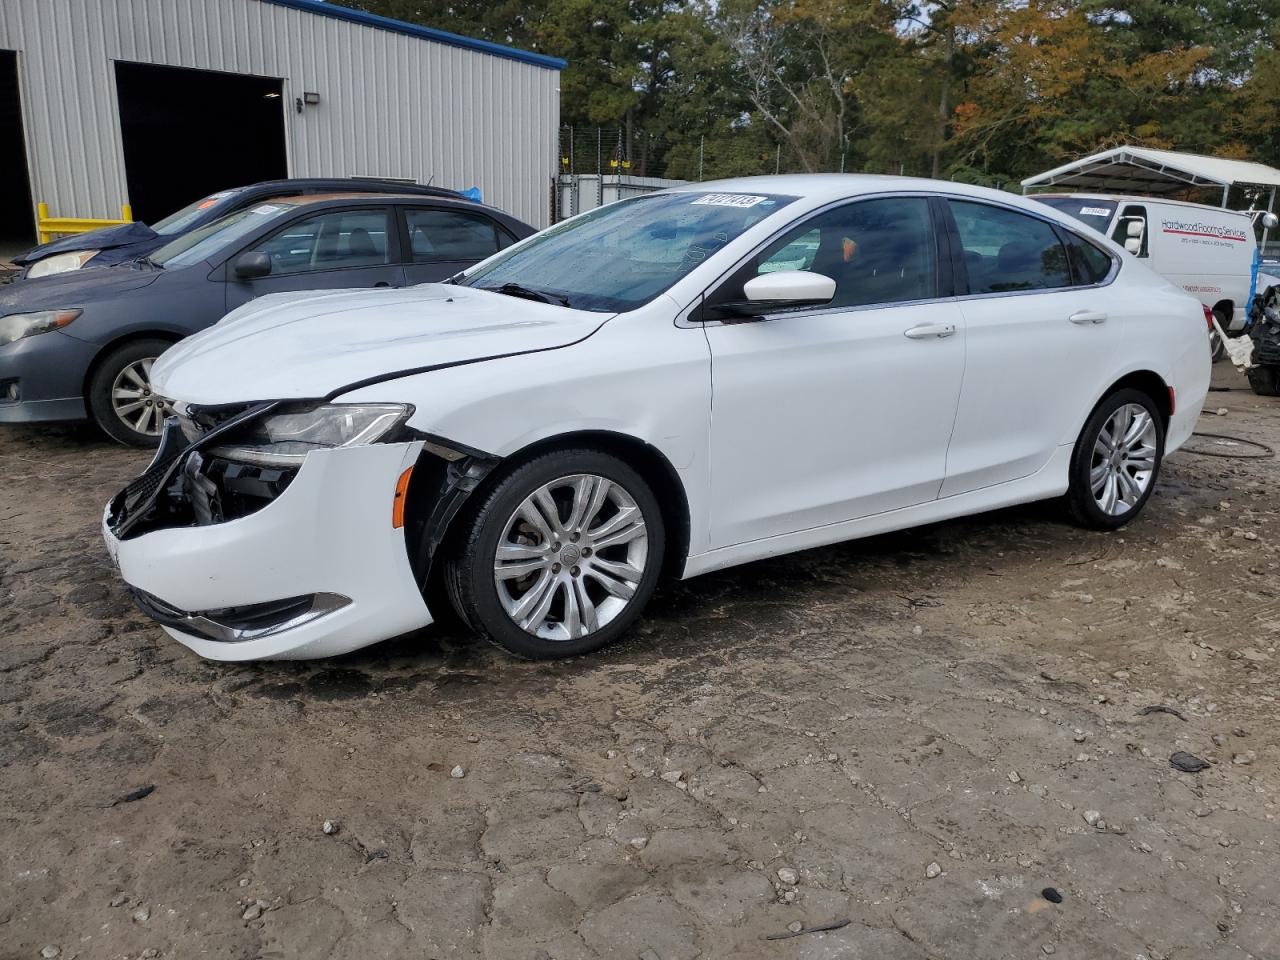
{"x":82,"y":343}
{"x":128,"y":241}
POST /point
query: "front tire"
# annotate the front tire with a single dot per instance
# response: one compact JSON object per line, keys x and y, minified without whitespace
{"x":120,"y":398}
{"x":560,"y":556}
{"x":1116,"y":461}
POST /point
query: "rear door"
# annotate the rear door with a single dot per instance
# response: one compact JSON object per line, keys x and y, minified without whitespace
{"x":442,"y":241}
{"x":1041,"y":335}
{"x":331,"y":249}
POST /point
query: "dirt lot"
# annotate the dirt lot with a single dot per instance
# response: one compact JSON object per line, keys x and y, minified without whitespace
{"x":916,"y":733}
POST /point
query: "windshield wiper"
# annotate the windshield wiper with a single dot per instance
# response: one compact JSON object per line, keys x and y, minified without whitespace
{"x":148,"y":262}
{"x":528,"y":293}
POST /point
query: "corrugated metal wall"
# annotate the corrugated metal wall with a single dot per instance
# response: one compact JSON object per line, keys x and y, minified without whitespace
{"x":391,"y":105}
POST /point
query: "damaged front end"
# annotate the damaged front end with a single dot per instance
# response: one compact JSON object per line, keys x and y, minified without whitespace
{"x":186,"y":486}
{"x":340,"y":560}
{"x":217,"y":464}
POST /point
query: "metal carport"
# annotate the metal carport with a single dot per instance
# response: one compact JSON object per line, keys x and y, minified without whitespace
{"x":1155,"y":173}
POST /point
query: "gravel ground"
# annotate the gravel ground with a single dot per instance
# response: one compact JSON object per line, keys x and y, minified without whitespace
{"x":917,"y":733}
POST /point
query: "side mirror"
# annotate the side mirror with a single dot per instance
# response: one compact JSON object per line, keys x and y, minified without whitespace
{"x":1135,"y":229}
{"x":776,"y":291}
{"x":1270,"y":221}
{"x":795,"y":287}
{"x":252,"y":265}
{"x":1134,"y":245}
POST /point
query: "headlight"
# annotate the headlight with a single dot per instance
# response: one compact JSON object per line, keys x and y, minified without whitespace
{"x":19,"y":325}
{"x":284,"y":439}
{"x":61,"y":263}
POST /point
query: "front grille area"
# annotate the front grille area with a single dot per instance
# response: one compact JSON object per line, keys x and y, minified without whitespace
{"x":183,"y":487}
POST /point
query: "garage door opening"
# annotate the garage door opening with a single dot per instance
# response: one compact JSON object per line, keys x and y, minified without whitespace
{"x":17,"y":220}
{"x":188,"y":133}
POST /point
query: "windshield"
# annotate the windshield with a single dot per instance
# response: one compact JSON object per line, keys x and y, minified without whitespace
{"x":1090,"y":211}
{"x":177,"y":222}
{"x":208,"y":240}
{"x":621,"y":256}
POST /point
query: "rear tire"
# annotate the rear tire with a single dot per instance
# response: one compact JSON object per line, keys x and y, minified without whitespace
{"x":119,"y":396}
{"x":1116,"y":461}
{"x":582,"y":542}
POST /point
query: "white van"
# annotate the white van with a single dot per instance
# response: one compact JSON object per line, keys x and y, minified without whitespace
{"x":1210,"y":252}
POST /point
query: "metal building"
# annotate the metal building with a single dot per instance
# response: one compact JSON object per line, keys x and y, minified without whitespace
{"x":158,"y":102}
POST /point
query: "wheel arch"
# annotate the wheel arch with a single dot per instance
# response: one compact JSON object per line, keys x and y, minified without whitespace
{"x":1227,"y":307}
{"x":112,"y":345}
{"x":650,"y":462}
{"x":431,"y":476}
{"x":1147,"y":381}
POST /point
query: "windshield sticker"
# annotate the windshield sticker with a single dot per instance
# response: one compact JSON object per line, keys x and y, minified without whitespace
{"x":730,"y":200}
{"x":266,"y":208}
{"x":1094,"y":212}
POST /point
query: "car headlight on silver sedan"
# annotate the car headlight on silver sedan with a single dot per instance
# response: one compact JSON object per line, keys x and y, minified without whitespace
{"x":284,"y":439}
{"x":16,"y":326}
{"x":60,"y":263}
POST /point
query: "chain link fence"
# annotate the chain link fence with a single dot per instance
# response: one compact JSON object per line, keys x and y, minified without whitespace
{"x":598,"y":165}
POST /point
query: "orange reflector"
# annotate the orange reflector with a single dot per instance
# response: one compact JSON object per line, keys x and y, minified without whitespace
{"x":397,"y":505}
{"x":1173,"y":403}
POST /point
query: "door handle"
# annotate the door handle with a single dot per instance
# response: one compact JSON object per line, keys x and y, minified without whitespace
{"x":1088,"y":316}
{"x":931,"y":331}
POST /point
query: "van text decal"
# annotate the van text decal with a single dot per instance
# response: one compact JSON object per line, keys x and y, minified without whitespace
{"x":1212,"y":231}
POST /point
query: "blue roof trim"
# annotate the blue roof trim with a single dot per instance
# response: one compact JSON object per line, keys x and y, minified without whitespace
{"x":325,"y":9}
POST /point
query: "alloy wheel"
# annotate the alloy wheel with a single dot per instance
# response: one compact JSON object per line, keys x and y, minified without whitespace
{"x":571,"y":557}
{"x":133,"y":401}
{"x":1124,"y":459}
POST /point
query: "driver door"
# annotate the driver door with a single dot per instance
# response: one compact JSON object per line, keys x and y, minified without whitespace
{"x":335,"y":249}
{"x":823,"y":415}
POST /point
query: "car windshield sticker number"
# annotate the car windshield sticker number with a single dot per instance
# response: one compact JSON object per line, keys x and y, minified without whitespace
{"x":729,"y":200}
{"x":1094,"y":212}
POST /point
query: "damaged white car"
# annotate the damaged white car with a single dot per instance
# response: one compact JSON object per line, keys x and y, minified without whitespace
{"x":672,"y":384}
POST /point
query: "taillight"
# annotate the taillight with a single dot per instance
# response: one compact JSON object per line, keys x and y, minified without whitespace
{"x":1173,"y":402}
{"x":1208,"y":315}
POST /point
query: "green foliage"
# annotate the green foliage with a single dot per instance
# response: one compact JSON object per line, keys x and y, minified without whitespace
{"x":986,"y":91}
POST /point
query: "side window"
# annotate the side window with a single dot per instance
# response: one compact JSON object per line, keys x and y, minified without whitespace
{"x":1089,"y":264}
{"x":1006,"y":251}
{"x":877,"y":251}
{"x":329,"y":241}
{"x":1131,"y":230}
{"x":444,"y":235}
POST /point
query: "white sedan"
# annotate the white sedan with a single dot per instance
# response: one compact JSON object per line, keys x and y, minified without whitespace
{"x":668,"y":385}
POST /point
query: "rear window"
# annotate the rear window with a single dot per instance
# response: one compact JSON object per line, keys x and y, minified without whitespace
{"x":1088,"y":210}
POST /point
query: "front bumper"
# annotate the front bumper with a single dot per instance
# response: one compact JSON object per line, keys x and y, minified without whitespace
{"x":42,"y":378}
{"x":329,"y":535}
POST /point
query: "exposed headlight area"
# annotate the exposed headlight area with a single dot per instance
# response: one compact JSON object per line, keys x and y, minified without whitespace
{"x":221,"y":464}
{"x":284,"y":439}
{"x":60,"y":263}
{"x":17,"y":326}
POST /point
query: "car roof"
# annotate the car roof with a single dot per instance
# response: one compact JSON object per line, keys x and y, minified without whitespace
{"x":837,"y":186}
{"x":356,"y":184}
{"x":1138,"y":198}
{"x":299,"y":201}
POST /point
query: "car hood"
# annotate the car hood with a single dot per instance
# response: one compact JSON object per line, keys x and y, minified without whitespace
{"x":102,"y":239}
{"x":75,"y":288}
{"x":306,"y":345}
